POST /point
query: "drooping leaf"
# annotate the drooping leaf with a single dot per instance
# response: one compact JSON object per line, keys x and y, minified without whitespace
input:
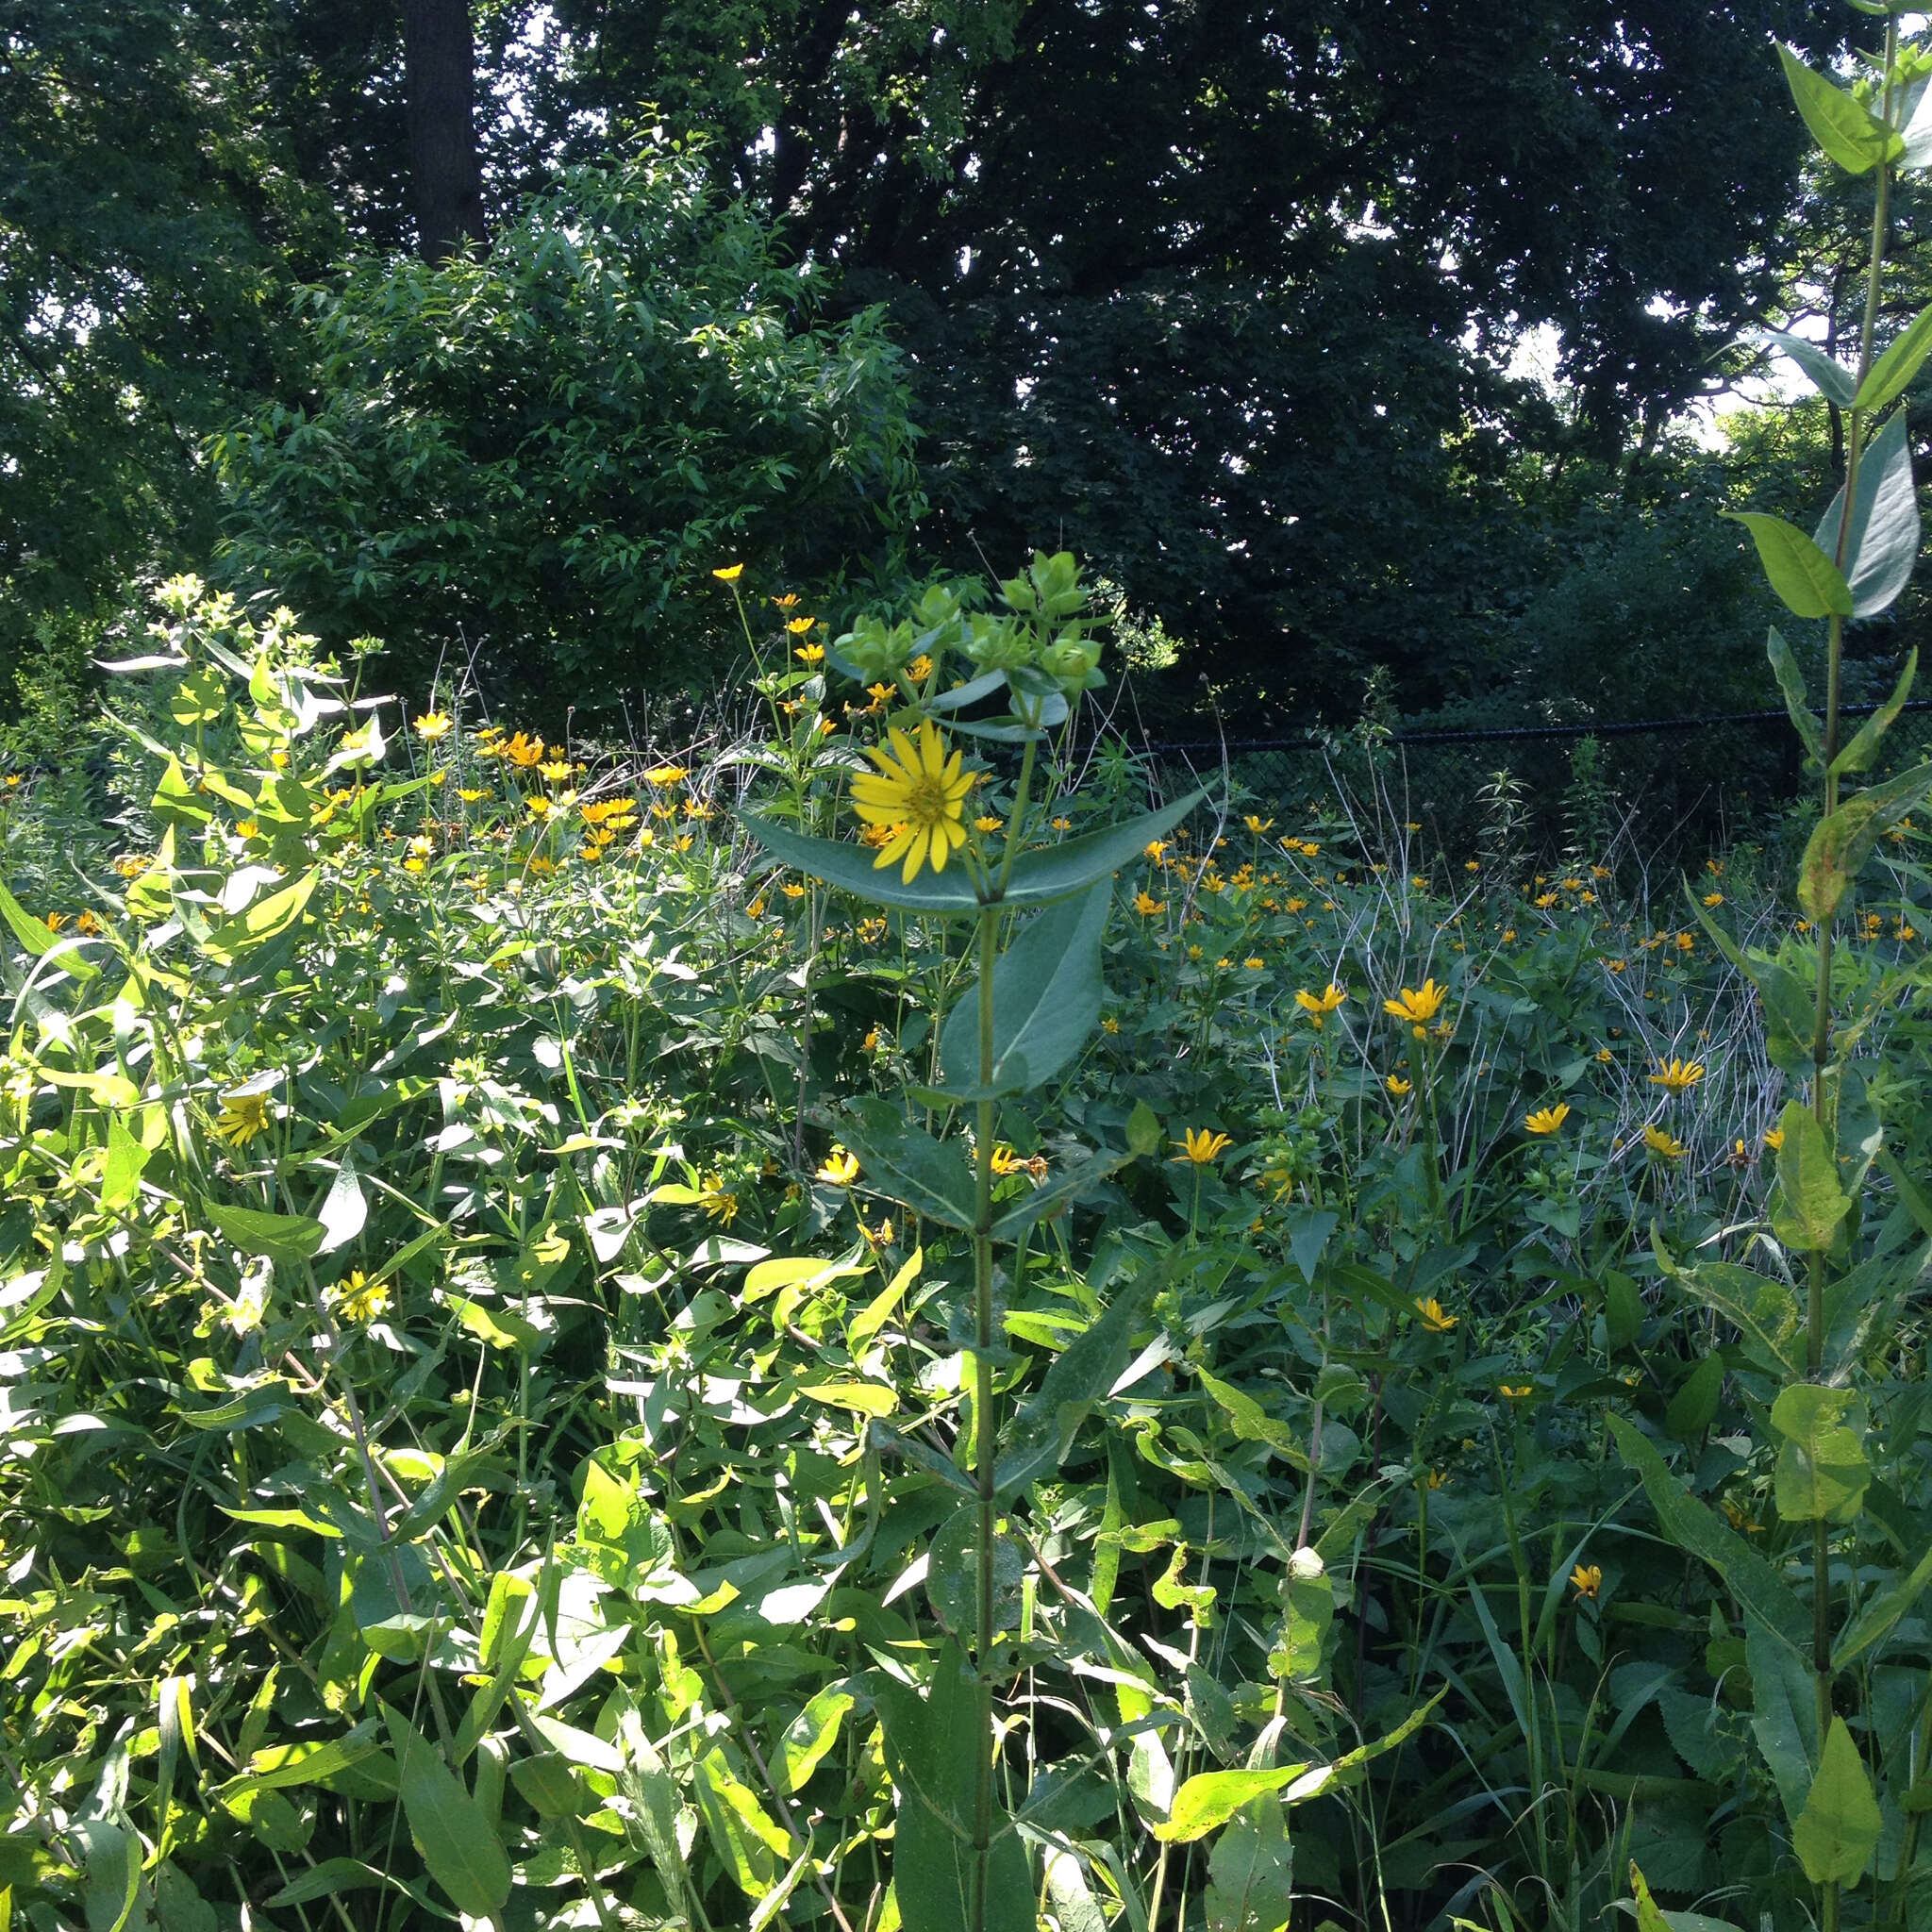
{"x":906,"y":1164}
{"x":1693,"y":1407}
{"x":1842,"y":125}
{"x":750,"y":1844}
{"x":1791,"y":680}
{"x":810,"y":1736}
{"x":463,"y":1854}
{"x":284,"y":1239}
{"x":1250,"y":1873}
{"x":1809,"y":1203}
{"x":1803,"y":574}
{"x":1829,"y":377}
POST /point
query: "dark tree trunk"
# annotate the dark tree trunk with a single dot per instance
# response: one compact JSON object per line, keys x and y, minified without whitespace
{"x":446,"y":178}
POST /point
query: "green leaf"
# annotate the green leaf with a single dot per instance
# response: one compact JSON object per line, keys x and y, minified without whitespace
{"x":1829,"y":377}
{"x":1840,"y":845}
{"x":752,"y":1847}
{"x":33,"y":934}
{"x":1045,"y":1001}
{"x":1858,"y":755}
{"x":1251,"y":1423}
{"x":1144,"y":1130}
{"x":1891,"y":375}
{"x":1843,"y":126}
{"x":1763,"y":1310}
{"x":1784,"y":1712}
{"x":810,"y":1736}
{"x":1040,"y":878}
{"x":1250,"y":1873}
{"x":1624,"y":1311}
{"x":1808,"y":1204}
{"x":120,"y":1177}
{"x":497,"y":1327}
{"x":287,"y":1240}
{"x":1801,"y":573}
{"x":947,"y":894}
{"x":1822,"y":1470}
{"x":1693,"y":1407}
{"x":1791,"y":680}
{"x":1210,"y":1798}
{"x":880,"y":1309}
{"x":906,"y":1164}
{"x":463,"y":1853}
{"x":1064,"y":1185}
{"x":1696,"y":1531}
{"x":1648,"y":1918}
{"x":1882,"y":540}
{"x":1838,"y":1830}
{"x":1079,"y":1375}
{"x":1874,"y":1621}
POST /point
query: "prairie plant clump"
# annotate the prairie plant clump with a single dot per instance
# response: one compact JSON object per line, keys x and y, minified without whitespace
{"x":608,"y":1340}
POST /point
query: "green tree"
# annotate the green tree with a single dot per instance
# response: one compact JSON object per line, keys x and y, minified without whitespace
{"x":536,"y":458}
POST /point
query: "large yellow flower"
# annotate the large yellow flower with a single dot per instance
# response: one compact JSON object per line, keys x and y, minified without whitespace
{"x":920,"y":791}
{"x":1417,"y":1005}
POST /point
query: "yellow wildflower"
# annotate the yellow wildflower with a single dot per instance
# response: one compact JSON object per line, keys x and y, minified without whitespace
{"x":1398,"y":1086}
{"x":1430,"y":1314}
{"x":1318,"y":1006}
{"x":840,"y":1168}
{"x":1677,"y":1076}
{"x":242,"y":1117}
{"x":922,"y":791}
{"x":433,"y":725}
{"x":1547,"y":1120}
{"x":1587,"y":1578}
{"x":356,"y":1299}
{"x":1417,"y":1004}
{"x":1201,"y":1146}
{"x":1663,"y":1143}
{"x":729,"y":574}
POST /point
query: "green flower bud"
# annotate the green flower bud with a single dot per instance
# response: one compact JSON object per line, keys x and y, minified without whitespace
{"x":998,"y":643}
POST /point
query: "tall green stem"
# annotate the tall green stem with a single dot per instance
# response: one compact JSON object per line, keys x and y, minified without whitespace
{"x":1821,"y":1033}
{"x":984,"y":1446}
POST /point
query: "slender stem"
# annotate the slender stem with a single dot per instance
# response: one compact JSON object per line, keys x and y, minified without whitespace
{"x":985,"y":1447}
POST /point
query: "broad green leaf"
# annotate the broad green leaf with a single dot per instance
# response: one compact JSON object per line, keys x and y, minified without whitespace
{"x":1843,"y":126}
{"x":548,"y":1783}
{"x":1838,"y":1830}
{"x":120,"y":1177}
{"x":810,"y":1736}
{"x":275,"y":1766}
{"x":947,"y":894}
{"x":463,"y":1853}
{"x":1822,"y":1470}
{"x":1693,"y":1407}
{"x":1858,"y":755}
{"x":1040,"y":878}
{"x":1840,"y":845}
{"x":906,"y":1164}
{"x":1791,"y":680}
{"x":344,"y":1209}
{"x":1808,"y":1204}
{"x":1079,"y":1375}
{"x":498,"y":1328}
{"x":1882,"y":540}
{"x":1046,"y":995}
{"x":1801,"y":573}
{"x":1763,"y":1310}
{"x":1696,"y":1531}
{"x":1829,"y":377}
{"x":287,"y":1240}
{"x":789,"y":1271}
{"x":866,"y":1398}
{"x":752,"y":1847}
{"x":1075,"y":1907}
{"x":951,"y":1575}
{"x":1252,"y":1423}
{"x":1891,"y":375}
{"x":1250,"y":1873}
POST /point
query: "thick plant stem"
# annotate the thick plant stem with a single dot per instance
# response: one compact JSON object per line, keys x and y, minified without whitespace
{"x":985,"y":1447}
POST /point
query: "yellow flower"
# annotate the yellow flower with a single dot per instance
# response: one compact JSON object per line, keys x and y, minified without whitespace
{"x":1318,"y":1006}
{"x":810,"y":653}
{"x":432,"y":725}
{"x":242,"y":1117}
{"x":799,"y":626}
{"x":1588,"y":1578}
{"x":987,"y":823}
{"x":356,"y":1299}
{"x":1429,"y":1313}
{"x":54,"y":921}
{"x":788,"y":602}
{"x":1713,"y":898}
{"x":1774,"y":1139}
{"x":1398,"y":1086}
{"x":1258,"y":825}
{"x":1548,"y":1120}
{"x":1110,"y":1026}
{"x":1659,"y":1142}
{"x":1146,"y":905}
{"x":1605,"y":1054}
{"x":1435,"y":1479}
{"x":922,"y":791}
{"x":1254,"y":965}
{"x":525,"y":751}
{"x":468,"y":796}
{"x":1004,"y":1161}
{"x":556,"y":770}
{"x":729,"y":574}
{"x":841,"y":1167}
{"x":1201,"y":1146}
{"x":1418,"y":1006}
{"x":717,"y":1200}
{"x":662,"y":775}
{"x":1677,"y":1076}
{"x":920,"y":669}
{"x":87,"y":924}
{"x":1515,"y":1391}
